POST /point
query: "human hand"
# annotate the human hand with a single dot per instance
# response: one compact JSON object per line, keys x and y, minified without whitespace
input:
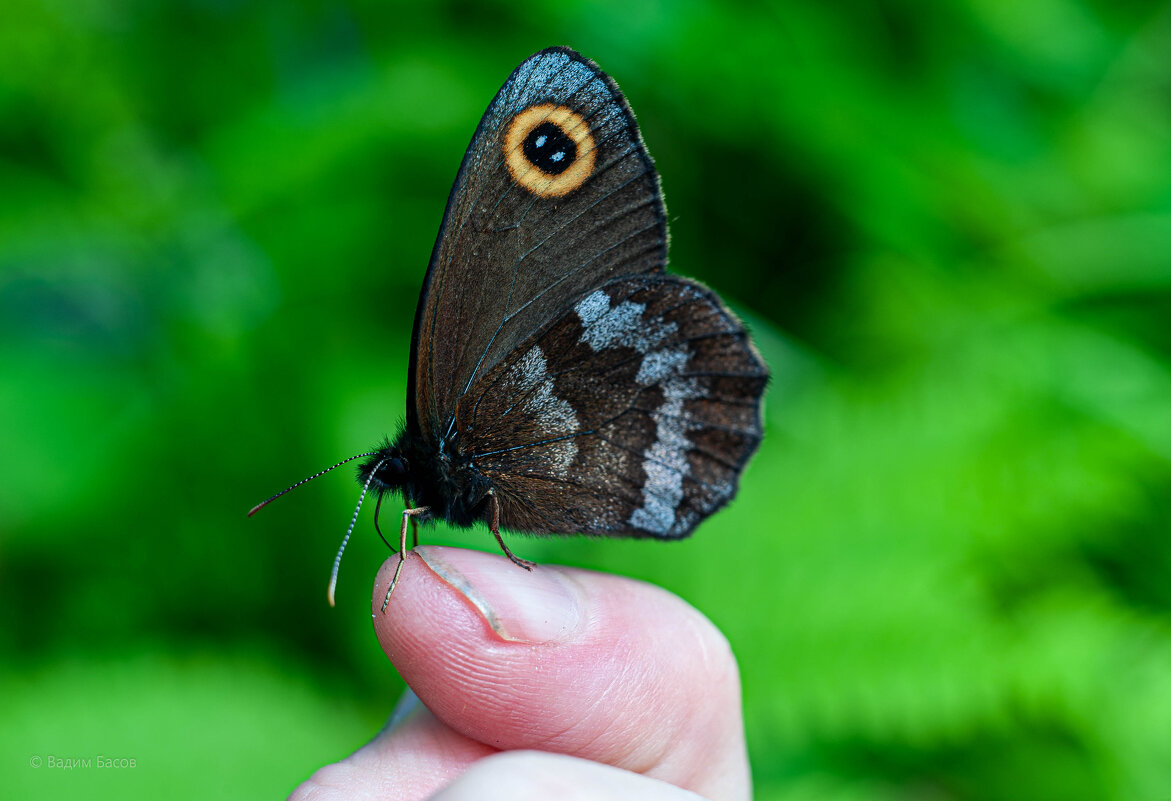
{"x":555,"y":683}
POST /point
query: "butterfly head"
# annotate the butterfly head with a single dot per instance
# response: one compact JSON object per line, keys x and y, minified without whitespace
{"x":387,"y":470}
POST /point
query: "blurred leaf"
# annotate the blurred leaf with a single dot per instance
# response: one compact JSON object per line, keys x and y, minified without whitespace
{"x":948,"y":225}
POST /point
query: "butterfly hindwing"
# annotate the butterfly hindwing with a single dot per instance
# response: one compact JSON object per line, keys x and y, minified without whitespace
{"x":631,"y":414}
{"x":556,"y":195}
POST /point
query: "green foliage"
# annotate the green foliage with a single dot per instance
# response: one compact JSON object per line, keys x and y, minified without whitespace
{"x":949,"y":225}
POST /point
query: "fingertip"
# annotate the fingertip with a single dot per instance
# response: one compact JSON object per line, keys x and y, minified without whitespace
{"x":557,"y":659}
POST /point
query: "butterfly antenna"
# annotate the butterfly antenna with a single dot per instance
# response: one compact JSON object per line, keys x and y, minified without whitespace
{"x":263,"y":504}
{"x":337,"y":560}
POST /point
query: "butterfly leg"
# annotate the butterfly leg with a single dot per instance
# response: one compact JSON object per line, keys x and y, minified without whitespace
{"x":408,"y":515}
{"x":495,"y":529}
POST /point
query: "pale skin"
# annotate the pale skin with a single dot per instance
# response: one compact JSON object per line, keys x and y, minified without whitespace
{"x":555,"y":683}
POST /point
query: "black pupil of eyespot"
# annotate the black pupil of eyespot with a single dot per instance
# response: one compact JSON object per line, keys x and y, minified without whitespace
{"x":548,"y":149}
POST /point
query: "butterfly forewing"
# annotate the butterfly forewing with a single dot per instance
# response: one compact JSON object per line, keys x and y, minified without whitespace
{"x":556,"y":196}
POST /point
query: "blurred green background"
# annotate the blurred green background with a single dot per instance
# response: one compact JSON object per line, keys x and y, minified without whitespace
{"x":948,"y":573}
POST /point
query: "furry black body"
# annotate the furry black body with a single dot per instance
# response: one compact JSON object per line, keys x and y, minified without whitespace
{"x":444,"y":481}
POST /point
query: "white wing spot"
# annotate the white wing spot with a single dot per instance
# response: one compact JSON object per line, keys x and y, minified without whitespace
{"x":555,"y":416}
{"x":660,"y":365}
{"x":665,"y":462}
{"x":593,"y":307}
{"x":531,"y":370}
{"x":623,"y":325}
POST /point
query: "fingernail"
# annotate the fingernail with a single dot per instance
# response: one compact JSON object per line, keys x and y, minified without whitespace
{"x":534,"y":606}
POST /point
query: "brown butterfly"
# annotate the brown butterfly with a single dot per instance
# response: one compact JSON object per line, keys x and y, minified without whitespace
{"x":560,"y":381}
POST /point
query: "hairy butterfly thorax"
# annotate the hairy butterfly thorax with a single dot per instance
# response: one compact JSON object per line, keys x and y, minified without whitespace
{"x":445,"y":481}
{"x":560,"y":380}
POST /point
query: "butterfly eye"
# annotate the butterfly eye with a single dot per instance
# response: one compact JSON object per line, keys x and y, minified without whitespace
{"x":391,"y":471}
{"x":549,"y":149}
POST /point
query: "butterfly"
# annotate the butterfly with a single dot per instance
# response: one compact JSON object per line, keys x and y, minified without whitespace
{"x":560,"y":380}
